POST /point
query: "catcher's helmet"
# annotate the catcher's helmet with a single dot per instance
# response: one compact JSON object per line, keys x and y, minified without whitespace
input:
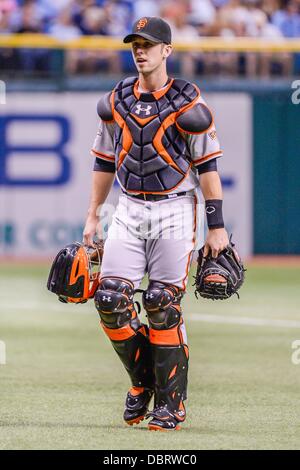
{"x":74,"y":275}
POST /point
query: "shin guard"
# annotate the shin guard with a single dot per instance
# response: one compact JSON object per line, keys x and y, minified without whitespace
{"x":169,"y":349}
{"x":129,"y":337}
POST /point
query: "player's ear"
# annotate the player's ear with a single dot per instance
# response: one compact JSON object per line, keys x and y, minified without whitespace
{"x":167,"y":50}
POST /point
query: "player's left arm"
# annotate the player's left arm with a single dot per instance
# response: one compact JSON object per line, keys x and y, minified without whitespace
{"x":198,"y":128}
{"x":217,"y":237}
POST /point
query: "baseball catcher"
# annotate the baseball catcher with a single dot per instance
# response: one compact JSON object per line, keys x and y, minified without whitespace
{"x":158,"y":138}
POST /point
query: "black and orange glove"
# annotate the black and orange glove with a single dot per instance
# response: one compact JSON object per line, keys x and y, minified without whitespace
{"x":219,"y":278}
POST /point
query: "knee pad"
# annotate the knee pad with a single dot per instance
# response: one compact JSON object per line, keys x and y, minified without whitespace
{"x":114,"y":302}
{"x":162,"y":303}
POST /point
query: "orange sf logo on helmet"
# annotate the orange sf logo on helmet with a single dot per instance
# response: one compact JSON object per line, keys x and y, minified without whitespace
{"x":142,"y":23}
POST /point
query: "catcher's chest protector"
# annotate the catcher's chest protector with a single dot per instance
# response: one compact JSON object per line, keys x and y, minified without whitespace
{"x":151,"y":154}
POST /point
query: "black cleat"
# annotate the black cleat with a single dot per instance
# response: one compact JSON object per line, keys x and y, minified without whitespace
{"x":136,"y":404}
{"x":163,"y":420}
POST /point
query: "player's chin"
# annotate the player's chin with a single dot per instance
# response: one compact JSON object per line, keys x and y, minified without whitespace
{"x":143,"y":67}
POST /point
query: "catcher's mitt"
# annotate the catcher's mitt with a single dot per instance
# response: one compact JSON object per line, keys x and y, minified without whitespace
{"x":219,"y":278}
{"x":74,"y":275}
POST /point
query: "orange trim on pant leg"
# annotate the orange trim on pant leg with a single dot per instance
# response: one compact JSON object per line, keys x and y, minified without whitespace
{"x":184,"y":282}
{"x":119,"y":334}
{"x":165,"y":337}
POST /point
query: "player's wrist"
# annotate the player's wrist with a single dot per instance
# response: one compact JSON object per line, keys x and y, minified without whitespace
{"x":214,"y":213}
{"x":213,"y":229}
{"x":92,"y":214}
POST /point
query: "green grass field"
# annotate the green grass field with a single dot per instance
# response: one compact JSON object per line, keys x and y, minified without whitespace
{"x":63,"y":387}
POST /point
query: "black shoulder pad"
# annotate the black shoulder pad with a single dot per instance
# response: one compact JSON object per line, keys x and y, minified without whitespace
{"x":186,"y":89}
{"x":126,"y":82}
{"x":104,"y":108}
{"x":129,"y":81}
{"x":197,"y":119}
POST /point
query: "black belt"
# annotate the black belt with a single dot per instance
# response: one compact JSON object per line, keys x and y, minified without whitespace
{"x":155,"y":197}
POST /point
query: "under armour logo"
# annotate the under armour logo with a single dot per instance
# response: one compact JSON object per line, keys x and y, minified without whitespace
{"x":104,"y":298}
{"x":149,"y":296}
{"x":145,"y":110}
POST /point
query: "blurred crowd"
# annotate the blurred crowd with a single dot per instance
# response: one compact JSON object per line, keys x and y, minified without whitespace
{"x":189,"y":19}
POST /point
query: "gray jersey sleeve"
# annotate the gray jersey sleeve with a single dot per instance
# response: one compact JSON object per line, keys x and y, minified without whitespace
{"x":204,"y":145}
{"x":104,"y":142}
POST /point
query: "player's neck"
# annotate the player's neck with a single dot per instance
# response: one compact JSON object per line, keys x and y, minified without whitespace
{"x":153,"y":81}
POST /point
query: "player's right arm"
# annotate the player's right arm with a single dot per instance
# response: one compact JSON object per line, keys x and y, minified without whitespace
{"x":101,"y":184}
{"x":104,"y":170}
